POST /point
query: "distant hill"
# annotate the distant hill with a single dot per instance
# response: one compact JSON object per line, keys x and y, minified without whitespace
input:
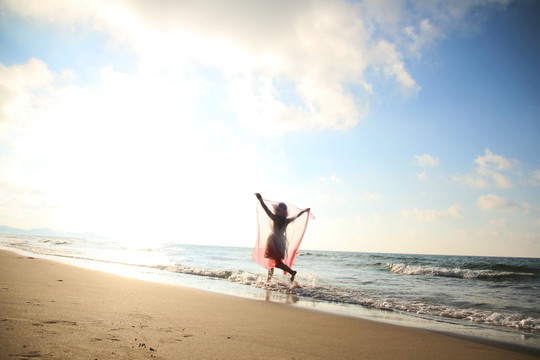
{"x":46,"y":232}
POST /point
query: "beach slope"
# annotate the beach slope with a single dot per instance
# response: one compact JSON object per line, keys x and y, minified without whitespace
{"x":52,"y":310}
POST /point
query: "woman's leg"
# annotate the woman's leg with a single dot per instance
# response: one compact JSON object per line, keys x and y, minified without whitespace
{"x":284,"y":267}
{"x":270,"y":274}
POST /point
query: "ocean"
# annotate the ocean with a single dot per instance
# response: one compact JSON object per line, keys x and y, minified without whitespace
{"x":488,"y":298}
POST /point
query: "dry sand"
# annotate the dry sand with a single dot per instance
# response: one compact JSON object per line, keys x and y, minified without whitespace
{"x":52,"y":310}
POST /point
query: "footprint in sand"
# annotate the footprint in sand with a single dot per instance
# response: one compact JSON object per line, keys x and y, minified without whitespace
{"x":31,"y":354}
{"x":62,"y":322}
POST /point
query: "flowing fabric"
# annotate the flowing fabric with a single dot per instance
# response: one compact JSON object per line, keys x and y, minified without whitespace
{"x":270,"y":247}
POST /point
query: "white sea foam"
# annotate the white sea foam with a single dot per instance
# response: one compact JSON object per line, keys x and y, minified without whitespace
{"x":311,"y":290}
{"x":427,"y":270}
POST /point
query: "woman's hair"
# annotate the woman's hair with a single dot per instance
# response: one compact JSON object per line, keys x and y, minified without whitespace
{"x":280,"y":207}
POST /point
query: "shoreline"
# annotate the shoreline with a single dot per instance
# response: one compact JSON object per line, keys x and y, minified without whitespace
{"x":491,"y":335}
{"x":51,"y":309}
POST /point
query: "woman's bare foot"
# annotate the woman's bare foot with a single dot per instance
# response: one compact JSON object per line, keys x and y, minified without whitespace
{"x":293,"y":274}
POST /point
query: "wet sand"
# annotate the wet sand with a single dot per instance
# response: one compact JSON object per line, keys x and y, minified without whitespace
{"x":53,"y":310}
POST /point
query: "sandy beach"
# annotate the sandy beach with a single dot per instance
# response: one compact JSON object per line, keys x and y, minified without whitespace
{"x":52,"y":310}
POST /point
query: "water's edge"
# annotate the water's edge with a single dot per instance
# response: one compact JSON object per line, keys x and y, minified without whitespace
{"x":504,"y":339}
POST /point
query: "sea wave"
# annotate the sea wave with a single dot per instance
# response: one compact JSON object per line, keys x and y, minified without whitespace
{"x":309,"y":288}
{"x":426,"y":270}
{"x":54,"y":242}
{"x":310,"y":254}
{"x":198,"y":271}
{"x":442,"y":313}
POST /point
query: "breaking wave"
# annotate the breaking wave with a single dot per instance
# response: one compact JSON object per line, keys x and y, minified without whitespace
{"x":314,"y":291}
{"x":484,"y":274}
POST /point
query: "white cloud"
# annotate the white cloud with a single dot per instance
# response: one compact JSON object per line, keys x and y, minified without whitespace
{"x":501,"y":181}
{"x":500,"y":223}
{"x":535,"y":177}
{"x":424,"y":35}
{"x":471,"y":180}
{"x":333,"y":178}
{"x":455,"y":211}
{"x":493,"y":202}
{"x":129,"y":149}
{"x":370,"y":196}
{"x":489,"y":168}
{"x":426,"y":160}
{"x":417,"y":26}
{"x":17,"y":199}
{"x":528,"y":208}
{"x":286,"y":66}
{"x":19,"y":85}
{"x":490,"y":161}
{"x":388,"y":58}
{"x":316,"y":50}
{"x":430,"y":215}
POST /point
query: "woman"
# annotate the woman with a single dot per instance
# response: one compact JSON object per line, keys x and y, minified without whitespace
{"x":276,"y":244}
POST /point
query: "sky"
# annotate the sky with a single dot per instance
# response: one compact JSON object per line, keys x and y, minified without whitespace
{"x":406,"y":127}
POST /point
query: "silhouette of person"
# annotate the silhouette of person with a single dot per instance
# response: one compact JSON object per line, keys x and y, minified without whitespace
{"x":276,"y":244}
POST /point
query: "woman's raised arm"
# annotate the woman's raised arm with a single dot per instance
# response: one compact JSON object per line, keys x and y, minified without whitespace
{"x":290,"y":220}
{"x":268,"y":212}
